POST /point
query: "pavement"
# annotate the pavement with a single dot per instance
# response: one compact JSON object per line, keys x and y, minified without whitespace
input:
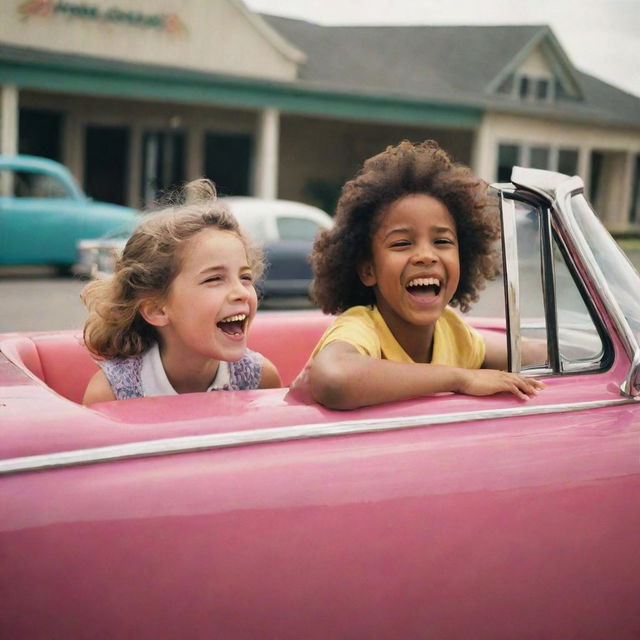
{"x":36,"y":299}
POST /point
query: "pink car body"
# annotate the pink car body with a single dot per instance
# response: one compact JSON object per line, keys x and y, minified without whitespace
{"x":261,"y":514}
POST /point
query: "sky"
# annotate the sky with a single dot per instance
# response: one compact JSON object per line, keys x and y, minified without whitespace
{"x":601,"y":37}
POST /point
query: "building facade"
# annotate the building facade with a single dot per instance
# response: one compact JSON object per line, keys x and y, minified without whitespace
{"x":141,"y":95}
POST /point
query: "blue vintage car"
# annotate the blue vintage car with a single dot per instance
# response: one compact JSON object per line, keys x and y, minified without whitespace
{"x":43,"y":213}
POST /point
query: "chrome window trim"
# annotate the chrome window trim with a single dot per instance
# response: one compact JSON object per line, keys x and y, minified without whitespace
{"x":564,"y":192}
{"x":511,"y":280}
{"x":190,"y":444}
{"x":549,"y":289}
{"x":557,"y":192}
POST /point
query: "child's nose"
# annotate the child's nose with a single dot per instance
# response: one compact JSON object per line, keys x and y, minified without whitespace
{"x":424,"y":254}
{"x":239,"y":291}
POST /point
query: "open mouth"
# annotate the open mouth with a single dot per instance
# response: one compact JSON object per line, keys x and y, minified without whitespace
{"x":233,"y":325}
{"x":424,"y":287}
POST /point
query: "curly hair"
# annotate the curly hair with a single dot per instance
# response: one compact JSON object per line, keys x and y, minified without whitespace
{"x":150,"y":261}
{"x":402,"y":170}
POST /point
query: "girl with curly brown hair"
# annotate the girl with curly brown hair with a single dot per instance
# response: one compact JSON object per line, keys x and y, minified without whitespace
{"x":174,"y":316}
{"x":413,"y":237}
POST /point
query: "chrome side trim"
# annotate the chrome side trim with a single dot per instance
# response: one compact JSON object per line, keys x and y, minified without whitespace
{"x":511,"y":281}
{"x":189,"y":444}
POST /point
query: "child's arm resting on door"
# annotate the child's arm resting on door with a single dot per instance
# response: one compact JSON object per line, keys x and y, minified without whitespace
{"x":339,"y":377}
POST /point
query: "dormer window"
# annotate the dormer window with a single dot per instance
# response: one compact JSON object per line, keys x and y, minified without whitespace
{"x":541,"y":75}
{"x":542,"y":89}
{"x":534,"y":88}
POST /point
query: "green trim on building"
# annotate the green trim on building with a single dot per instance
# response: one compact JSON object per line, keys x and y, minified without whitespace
{"x":83,"y":76}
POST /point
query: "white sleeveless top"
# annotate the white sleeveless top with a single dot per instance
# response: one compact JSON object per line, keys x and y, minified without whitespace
{"x":144,"y":375}
{"x":154,"y":379}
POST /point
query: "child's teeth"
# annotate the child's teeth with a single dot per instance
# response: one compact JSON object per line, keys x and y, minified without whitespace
{"x":424,"y":282}
{"x":236,"y":318}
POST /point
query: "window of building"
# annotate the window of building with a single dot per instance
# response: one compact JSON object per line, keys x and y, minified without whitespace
{"x":40,"y":133}
{"x":508,"y":155}
{"x":564,"y":160}
{"x":542,"y":89}
{"x":568,"y":161}
{"x":227,"y":161}
{"x":597,"y":162}
{"x":535,"y":88}
{"x":539,"y":157}
{"x":106,"y":174}
{"x":163,"y":156}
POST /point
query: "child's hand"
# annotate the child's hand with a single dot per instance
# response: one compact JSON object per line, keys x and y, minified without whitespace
{"x":486,"y":382}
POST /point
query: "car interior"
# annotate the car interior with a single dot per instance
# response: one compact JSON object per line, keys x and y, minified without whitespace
{"x":61,"y":361}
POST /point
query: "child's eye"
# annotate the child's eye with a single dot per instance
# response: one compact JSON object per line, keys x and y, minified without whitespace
{"x":444,"y":241}
{"x":212,"y":279}
{"x":247,"y":277}
{"x":400,"y":244}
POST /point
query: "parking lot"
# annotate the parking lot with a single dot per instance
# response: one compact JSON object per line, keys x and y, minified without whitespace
{"x":35,"y":299}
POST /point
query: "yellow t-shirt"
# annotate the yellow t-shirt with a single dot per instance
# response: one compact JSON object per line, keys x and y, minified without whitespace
{"x":455,"y":343}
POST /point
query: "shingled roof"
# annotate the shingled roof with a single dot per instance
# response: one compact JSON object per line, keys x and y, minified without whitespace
{"x":444,"y":64}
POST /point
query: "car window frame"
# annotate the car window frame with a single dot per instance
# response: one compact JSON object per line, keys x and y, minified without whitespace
{"x":549,"y":235}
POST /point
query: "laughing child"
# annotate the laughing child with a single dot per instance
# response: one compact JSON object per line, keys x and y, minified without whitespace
{"x":412,"y":239}
{"x":174,"y":316}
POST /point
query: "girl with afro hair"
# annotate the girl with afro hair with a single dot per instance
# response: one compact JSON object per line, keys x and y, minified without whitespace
{"x":413,"y":236}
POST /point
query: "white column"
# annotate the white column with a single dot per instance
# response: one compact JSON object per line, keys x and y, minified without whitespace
{"x":73,"y":144}
{"x":483,"y":152}
{"x":584,"y":167}
{"x":8,"y":119}
{"x":626,"y":186}
{"x":195,"y":151}
{"x":265,"y":176}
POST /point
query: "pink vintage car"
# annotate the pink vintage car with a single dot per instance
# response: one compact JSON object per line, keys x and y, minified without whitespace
{"x":256,"y":514}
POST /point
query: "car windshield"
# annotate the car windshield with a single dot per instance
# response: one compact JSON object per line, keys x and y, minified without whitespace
{"x":619,"y":273}
{"x":290,"y":228}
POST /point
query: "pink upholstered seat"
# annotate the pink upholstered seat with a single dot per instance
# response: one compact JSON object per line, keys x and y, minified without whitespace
{"x":287,"y":339}
{"x":61,"y":361}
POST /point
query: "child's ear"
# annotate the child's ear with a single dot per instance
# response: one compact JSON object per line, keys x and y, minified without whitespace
{"x":153,"y":312}
{"x":366,"y":273}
